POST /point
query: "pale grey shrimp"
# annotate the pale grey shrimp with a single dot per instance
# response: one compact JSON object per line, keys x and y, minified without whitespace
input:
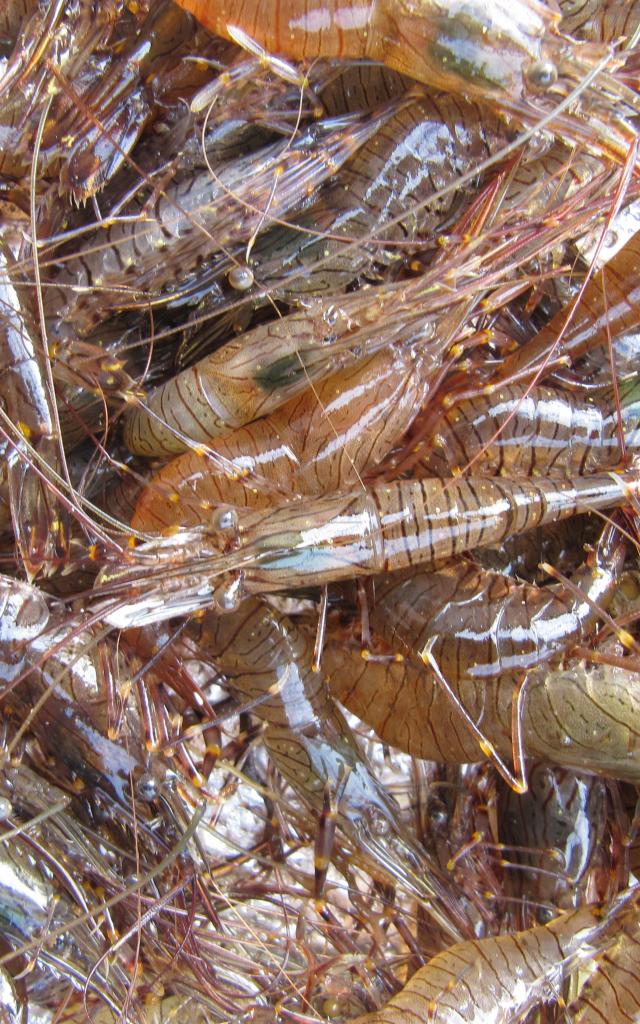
{"x":94,"y":69}
{"x":559,"y":831}
{"x":59,"y":36}
{"x":380,"y":194}
{"x":498,"y":980}
{"x":269,"y":661}
{"x":47,"y":665}
{"x":30,"y":905}
{"x":520,"y":431}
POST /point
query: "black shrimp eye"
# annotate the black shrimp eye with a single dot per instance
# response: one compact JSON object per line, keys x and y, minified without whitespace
{"x":541,"y":75}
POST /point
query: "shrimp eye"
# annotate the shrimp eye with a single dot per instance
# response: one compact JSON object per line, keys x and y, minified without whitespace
{"x":542,"y":75}
{"x":240,"y":278}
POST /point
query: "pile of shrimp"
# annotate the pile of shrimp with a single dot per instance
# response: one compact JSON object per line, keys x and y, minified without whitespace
{"x":319,"y":511}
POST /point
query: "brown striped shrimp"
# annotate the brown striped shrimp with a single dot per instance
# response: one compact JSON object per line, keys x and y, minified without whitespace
{"x":526,"y":431}
{"x":313,"y":542}
{"x":499,"y":979}
{"x":510,"y":55}
{"x":380,"y":196}
{"x":607,"y":307}
{"x":477,"y":634}
{"x":607,"y":21}
{"x":614,"y":971}
{"x":267,"y":660}
{"x":250,"y":377}
{"x":508,"y":51}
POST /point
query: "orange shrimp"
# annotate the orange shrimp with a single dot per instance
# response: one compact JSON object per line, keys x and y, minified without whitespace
{"x":505,"y":50}
{"x":317,"y":443}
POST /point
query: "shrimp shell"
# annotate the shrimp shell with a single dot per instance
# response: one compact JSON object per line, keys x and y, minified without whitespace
{"x":603,"y":312}
{"x":118,"y":268}
{"x":316,"y":541}
{"x":604,"y":21}
{"x":486,"y":631}
{"x":615,"y":971}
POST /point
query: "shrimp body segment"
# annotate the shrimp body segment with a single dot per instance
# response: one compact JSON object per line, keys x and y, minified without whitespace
{"x":467,"y":47}
{"x":616,"y":971}
{"x":485,"y":631}
{"x":608,"y":307}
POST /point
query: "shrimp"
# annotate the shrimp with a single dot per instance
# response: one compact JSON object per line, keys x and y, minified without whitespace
{"x":509,"y":50}
{"x":483,"y":631}
{"x":62,"y":676}
{"x":500,"y":979}
{"x":195,"y":217}
{"x":316,"y":443}
{"x":226,"y":390}
{"x":517,"y":431}
{"x":559,"y":830}
{"x":60,"y":38}
{"x":317,"y":541}
{"x":381,"y":194}
{"x":12,"y":1007}
{"x":267,"y":660}
{"x":29,"y":905}
{"x":30,"y":426}
{"x":250,"y":377}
